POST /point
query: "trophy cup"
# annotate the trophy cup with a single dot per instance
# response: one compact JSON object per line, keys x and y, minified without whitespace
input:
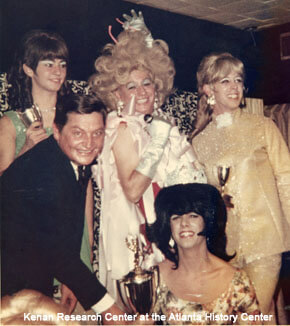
{"x":138,"y":289}
{"x":30,"y":115}
{"x":223,"y":173}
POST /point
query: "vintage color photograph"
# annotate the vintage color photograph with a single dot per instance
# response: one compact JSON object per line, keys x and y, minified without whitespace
{"x":144,"y":162}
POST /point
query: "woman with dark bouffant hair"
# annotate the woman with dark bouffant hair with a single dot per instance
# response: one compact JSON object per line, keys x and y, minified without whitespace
{"x":202,"y":199}
{"x":195,"y":278}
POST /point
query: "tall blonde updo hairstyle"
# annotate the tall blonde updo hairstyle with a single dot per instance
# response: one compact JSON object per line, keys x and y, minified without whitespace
{"x":130,"y":53}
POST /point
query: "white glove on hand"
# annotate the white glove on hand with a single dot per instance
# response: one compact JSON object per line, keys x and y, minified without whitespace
{"x":137,"y":23}
{"x":159,"y":131}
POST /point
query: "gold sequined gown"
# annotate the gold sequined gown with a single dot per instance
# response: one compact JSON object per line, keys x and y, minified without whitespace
{"x":259,"y":182}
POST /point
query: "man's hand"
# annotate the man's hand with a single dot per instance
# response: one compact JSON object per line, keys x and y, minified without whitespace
{"x":115,"y":311}
{"x":147,"y":321}
{"x":68,"y":299}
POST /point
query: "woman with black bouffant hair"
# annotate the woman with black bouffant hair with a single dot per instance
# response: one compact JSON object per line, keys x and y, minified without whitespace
{"x":195,"y":278}
{"x":202,"y":199}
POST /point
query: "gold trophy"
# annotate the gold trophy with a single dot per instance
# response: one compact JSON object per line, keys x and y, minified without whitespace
{"x":138,"y":289}
{"x":223,"y":173}
{"x":30,"y":115}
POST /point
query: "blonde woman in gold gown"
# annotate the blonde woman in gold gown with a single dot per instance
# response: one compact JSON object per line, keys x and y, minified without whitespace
{"x":259,"y":181}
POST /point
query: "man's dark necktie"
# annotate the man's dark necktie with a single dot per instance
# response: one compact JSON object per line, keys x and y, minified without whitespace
{"x":84,"y":174}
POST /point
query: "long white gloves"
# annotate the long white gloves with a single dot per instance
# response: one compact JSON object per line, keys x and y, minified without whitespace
{"x":159,"y":131}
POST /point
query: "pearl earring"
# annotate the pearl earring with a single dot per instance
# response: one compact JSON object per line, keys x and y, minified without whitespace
{"x":120,"y":107}
{"x":211,"y":100}
{"x":171,"y":242}
{"x":156,"y":103}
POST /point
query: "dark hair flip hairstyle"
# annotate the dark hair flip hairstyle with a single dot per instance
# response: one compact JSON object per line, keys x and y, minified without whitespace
{"x":202,"y":199}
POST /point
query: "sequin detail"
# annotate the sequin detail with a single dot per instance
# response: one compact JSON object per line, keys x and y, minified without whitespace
{"x":259,"y":182}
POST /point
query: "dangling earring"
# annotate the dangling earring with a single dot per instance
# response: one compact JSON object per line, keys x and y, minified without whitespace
{"x":156,"y":103}
{"x":171,"y":243}
{"x":211,"y":100}
{"x":120,"y":107}
{"x":243,"y":103}
{"x":148,"y":117}
{"x":207,"y":242}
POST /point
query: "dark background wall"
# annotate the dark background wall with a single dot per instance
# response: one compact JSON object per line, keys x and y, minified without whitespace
{"x":275,"y":84}
{"x":84,"y":25}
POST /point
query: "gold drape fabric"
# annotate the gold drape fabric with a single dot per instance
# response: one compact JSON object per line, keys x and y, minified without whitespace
{"x":254,"y":105}
{"x":259,"y":182}
{"x":280,"y":114}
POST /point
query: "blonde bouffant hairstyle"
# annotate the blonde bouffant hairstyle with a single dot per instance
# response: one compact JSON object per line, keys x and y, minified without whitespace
{"x":215,"y":67}
{"x":130,"y":53}
{"x":27,"y":301}
{"x":212,"y":69}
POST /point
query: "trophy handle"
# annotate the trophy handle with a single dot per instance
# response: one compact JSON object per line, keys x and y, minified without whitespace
{"x":122,"y":292}
{"x":156,"y":276}
{"x":130,"y":303}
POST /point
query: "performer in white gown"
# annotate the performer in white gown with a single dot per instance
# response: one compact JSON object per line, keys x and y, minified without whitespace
{"x":133,"y":78}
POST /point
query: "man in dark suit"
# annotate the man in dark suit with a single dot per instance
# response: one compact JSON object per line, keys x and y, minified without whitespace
{"x":43,"y":200}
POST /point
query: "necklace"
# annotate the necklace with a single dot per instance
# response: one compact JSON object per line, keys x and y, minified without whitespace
{"x":47,"y":110}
